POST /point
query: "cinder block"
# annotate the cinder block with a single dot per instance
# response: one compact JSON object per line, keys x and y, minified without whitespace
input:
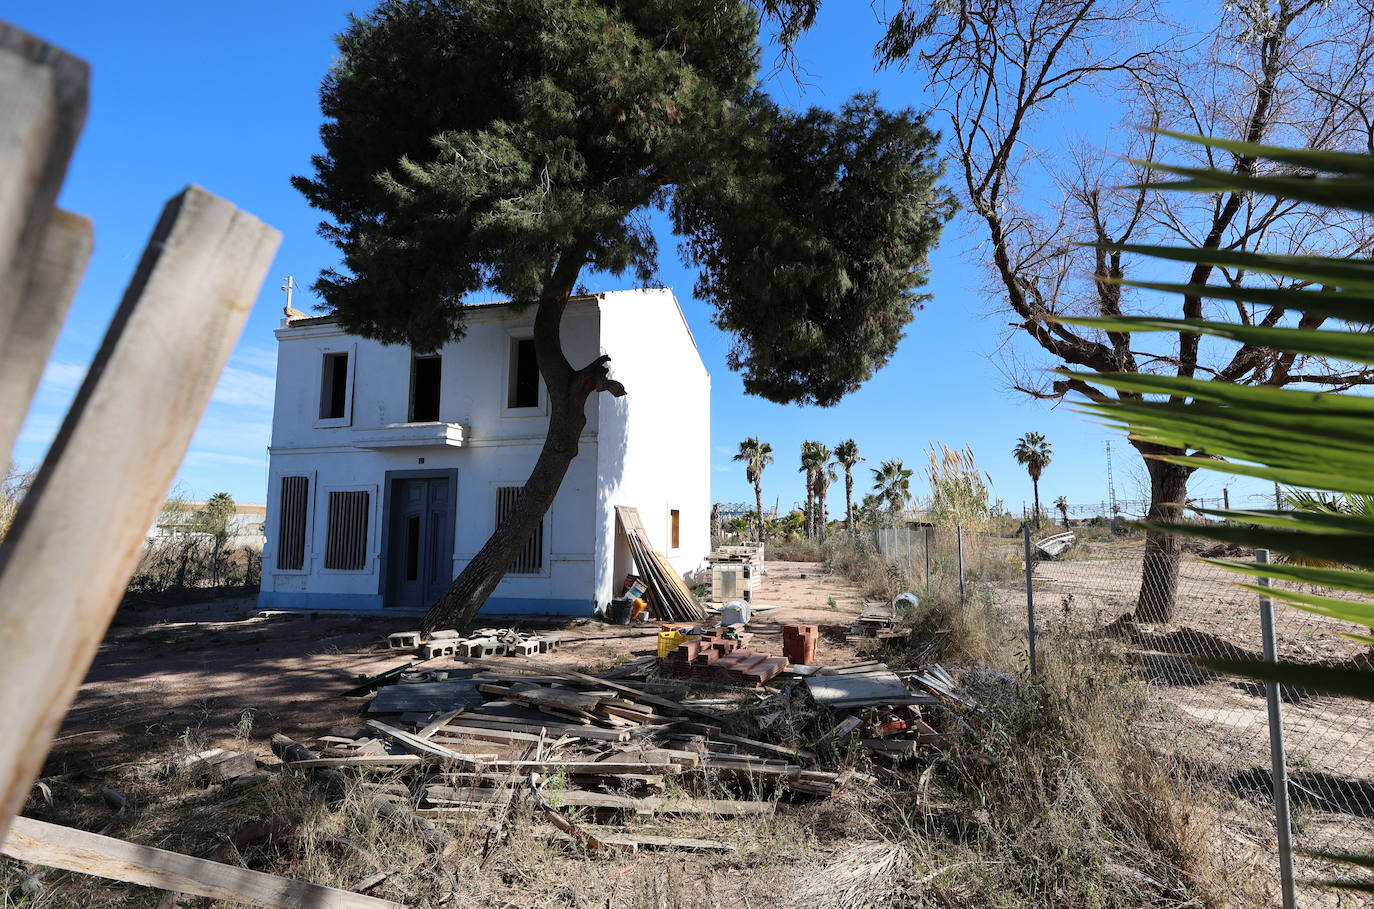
{"x":447,"y":633}
{"x":440,"y":647}
{"x":479,"y":647}
{"x":525,"y":648}
{"x":547,"y":645}
{"x":403,"y":640}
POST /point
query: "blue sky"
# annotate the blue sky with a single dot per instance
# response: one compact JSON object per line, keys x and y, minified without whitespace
{"x":225,"y":96}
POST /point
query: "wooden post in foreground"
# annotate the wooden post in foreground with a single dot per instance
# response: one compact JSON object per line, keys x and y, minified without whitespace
{"x":55,"y":846}
{"x":78,"y":534}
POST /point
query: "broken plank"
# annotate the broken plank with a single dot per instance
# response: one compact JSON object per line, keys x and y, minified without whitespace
{"x":585,"y":768}
{"x":418,"y":745}
{"x":359,"y":760}
{"x":112,"y":461}
{"x":534,"y":727}
{"x":55,"y":846}
{"x":438,"y":723}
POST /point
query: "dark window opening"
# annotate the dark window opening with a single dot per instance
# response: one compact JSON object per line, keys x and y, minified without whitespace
{"x":334,"y":387}
{"x":524,"y":374}
{"x":425,"y":376}
{"x":345,"y":547}
{"x":413,"y":548}
{"x":531,"y":557}
{"x":291,"y":527}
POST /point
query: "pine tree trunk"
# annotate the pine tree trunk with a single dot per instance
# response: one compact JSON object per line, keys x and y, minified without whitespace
{"x":1159,"y":576}
{"x":758,"y":507}
{"x":568,"y":390}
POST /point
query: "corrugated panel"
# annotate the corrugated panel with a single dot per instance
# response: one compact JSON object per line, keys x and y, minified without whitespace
{"x":531,"y":557}
{"x":345,"y":545}
{"x":295,"y":501}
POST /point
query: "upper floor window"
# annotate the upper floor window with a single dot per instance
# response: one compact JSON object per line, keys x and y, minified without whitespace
{"x":426,"y":373}
{"x":334,"y":387}
{"x":523,"y":384}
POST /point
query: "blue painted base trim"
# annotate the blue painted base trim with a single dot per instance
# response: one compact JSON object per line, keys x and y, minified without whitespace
{"x":321,"y":602}
{"x":363,"y":602}
{"x":536,"y":606}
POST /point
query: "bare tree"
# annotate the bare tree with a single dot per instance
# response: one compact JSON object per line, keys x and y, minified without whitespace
{"x":1292,"y":72}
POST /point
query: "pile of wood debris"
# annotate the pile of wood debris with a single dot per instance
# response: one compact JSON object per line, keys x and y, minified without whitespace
{"x":626,"y":744}
{"x":882,"y":709}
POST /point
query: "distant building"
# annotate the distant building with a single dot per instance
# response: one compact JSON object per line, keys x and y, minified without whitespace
{"x":390,"y":469}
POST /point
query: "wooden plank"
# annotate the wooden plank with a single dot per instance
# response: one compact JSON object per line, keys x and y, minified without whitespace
{"x":112,"y":462}
{"x":420,"y":746}
{"x":553,"y":699}
{"x":24,"y":350}
{"x":55,"y":846}
{"x":584,"y":768}
{"x":438,"y":723}
{"x":360,"y":760}
{"x":43,"y":97}
{"x":534,"y":727}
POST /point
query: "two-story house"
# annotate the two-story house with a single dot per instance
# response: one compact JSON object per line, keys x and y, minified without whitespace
{"x":389,"y":469}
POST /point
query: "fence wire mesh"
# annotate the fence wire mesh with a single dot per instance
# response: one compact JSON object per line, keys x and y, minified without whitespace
{"x":1213,"y":729}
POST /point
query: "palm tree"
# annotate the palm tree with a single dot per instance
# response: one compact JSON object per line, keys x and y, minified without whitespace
{"x":892,"y":483}
{"x":813,"y":464}
{"x":825,"y":474}
{"x":1033,"y":453}
{"x":847,"y":454}
{"x":1063,"y":505}
{"x":756,"y":456}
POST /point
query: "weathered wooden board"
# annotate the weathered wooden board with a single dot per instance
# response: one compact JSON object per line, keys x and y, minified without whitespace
{"x":43,"y":94}
{"x":874,"y":687}
{"x":90,"y":853}
{"x":24,"y":349}
{"x":78,"y":535}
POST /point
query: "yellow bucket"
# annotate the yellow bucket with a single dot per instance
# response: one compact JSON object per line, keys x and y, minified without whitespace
{"x":668,"y":641}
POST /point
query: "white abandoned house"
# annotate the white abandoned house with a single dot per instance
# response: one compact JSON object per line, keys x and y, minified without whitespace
{"x":390,"y":469}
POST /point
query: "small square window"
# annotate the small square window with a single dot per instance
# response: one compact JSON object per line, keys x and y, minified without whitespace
{"x":426,"y":374}
{"x":523,"y":386}
{"x":334,"y":387}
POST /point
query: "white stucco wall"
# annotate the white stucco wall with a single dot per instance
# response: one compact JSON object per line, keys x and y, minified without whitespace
{"x":664,"y":467}
{"x":655,"y":443}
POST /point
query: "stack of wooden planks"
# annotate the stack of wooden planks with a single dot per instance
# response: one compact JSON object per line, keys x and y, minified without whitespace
{"x":668,"y":597}
{"x":618,"y":750}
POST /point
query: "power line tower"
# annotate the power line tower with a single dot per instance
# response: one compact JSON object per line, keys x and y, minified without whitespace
{"x":1111,"y":486}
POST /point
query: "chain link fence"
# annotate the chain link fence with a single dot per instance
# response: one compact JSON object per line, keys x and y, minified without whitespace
{"x":1214,"y":729}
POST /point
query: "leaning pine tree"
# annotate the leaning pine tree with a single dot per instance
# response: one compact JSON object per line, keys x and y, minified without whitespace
{"x":510,"y":147}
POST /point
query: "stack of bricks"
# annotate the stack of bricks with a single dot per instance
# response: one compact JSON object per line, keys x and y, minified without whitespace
{"x":799,"y":643}
{"x":710,"y":657}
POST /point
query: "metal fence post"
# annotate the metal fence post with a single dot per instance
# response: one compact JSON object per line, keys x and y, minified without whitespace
{"x":927,"y":547}
{"x":959,"y":542}
{"x":1278,"y":766}
{"x":1030,"y":600}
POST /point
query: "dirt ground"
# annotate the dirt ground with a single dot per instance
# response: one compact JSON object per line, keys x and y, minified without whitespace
{"x":161,"y":671}
{"x":170,"y":680}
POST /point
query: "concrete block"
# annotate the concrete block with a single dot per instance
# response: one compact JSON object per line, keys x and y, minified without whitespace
{"x":526,"y":648}
{"x":447,"y":633}
{"x":548,"y":645}
{"x":403,"y":640}
{"x":440,"y":647}
{"x":479,"y":647}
